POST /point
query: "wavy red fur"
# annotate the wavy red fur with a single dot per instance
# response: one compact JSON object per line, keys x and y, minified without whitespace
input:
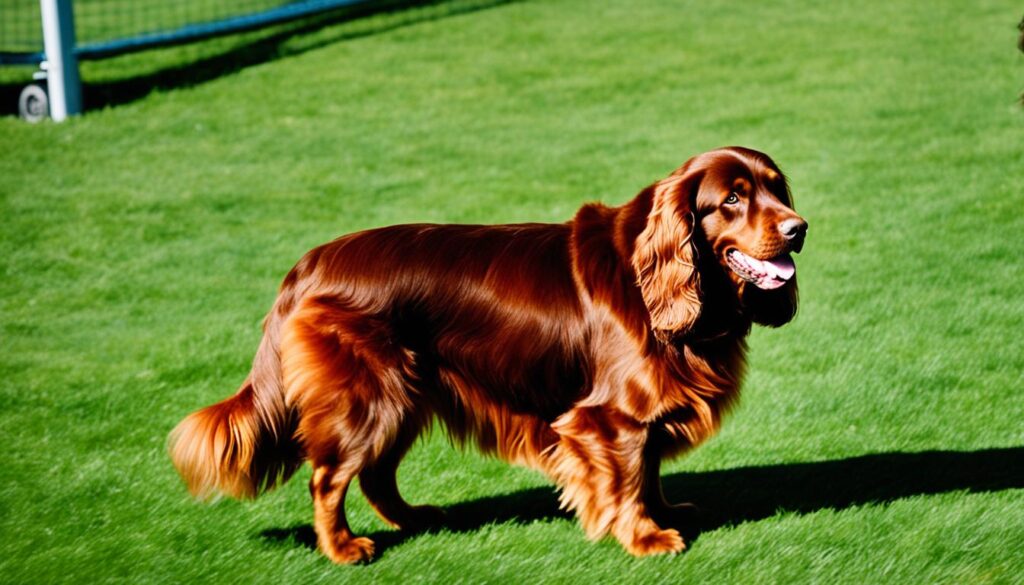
{"x":589,"y":350}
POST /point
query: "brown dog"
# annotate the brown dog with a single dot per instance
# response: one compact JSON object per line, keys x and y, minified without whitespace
{"x":589,"y":350}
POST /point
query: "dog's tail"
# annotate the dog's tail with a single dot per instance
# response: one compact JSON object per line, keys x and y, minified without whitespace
{"x":244,"y":445}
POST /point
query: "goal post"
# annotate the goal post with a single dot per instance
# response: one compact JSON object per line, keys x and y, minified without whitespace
{"x":153,"y":24}
{"x":64,"y":85}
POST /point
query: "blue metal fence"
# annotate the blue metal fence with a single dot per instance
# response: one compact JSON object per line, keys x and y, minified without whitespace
{"x":204,"y":30}
{"x":102,"y":29}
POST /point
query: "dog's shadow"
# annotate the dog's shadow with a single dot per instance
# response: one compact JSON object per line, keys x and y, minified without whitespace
{"x":747,"y":494}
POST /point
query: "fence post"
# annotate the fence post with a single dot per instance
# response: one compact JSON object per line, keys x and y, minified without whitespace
{"x":64,"y":84}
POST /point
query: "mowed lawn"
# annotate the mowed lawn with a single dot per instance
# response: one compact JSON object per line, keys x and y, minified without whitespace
{"x":880,"y":436}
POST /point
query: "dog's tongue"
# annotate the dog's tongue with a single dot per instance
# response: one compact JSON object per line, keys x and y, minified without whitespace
{"x":765,"y":274}
{"x":781,"y":267}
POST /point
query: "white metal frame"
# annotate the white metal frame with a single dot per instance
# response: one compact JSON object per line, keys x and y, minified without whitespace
{"x":64,"y":86}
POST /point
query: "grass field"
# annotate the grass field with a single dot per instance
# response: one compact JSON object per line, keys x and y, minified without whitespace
{"x":880,"y":437}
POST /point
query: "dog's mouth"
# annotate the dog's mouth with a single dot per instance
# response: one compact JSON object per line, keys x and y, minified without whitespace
{"x":764,"y":274}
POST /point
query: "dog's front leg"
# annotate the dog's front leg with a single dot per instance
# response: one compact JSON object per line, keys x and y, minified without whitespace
{"x":683,"y":517}
{"x":599,"y":465}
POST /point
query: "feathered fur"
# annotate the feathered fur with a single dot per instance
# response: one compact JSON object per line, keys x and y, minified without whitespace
{"x":589,"y":350}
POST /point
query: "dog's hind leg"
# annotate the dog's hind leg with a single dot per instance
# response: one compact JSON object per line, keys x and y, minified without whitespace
{"x":345,"y":379}
{"x":328,"y":488}
{"x":380,"y":486}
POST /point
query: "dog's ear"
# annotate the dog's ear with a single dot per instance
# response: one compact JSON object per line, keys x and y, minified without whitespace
{"x":664,"y":258}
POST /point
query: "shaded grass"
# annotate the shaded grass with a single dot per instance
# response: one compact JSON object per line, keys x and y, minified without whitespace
{"x":731,"y":497}
{"x":142,"y":244}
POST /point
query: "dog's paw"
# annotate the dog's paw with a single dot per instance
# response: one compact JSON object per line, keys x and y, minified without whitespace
{"x":350,"y":551}
{"x":658,"y":542}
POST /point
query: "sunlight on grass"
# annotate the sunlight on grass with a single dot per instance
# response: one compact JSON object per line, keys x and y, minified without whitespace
{"x":143,"y":243}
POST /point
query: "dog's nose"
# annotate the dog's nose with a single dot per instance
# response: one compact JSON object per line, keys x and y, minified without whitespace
{"x":794,"y":229}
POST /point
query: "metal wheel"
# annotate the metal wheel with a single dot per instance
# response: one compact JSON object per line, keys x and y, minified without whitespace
{"x":33,"y":103}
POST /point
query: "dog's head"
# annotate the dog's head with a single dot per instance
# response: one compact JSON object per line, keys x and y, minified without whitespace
{"x":725,"y":215}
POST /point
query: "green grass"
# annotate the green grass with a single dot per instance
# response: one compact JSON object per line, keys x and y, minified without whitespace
{"x":880,"y":435}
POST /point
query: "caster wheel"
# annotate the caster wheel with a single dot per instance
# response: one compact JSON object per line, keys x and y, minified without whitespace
{"x":33,"y":103}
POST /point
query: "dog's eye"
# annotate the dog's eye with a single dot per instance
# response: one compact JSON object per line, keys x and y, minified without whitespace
{"x":732,"y":199}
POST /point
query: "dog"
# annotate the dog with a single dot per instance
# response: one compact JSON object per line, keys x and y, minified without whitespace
{"x":590,"y":350}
